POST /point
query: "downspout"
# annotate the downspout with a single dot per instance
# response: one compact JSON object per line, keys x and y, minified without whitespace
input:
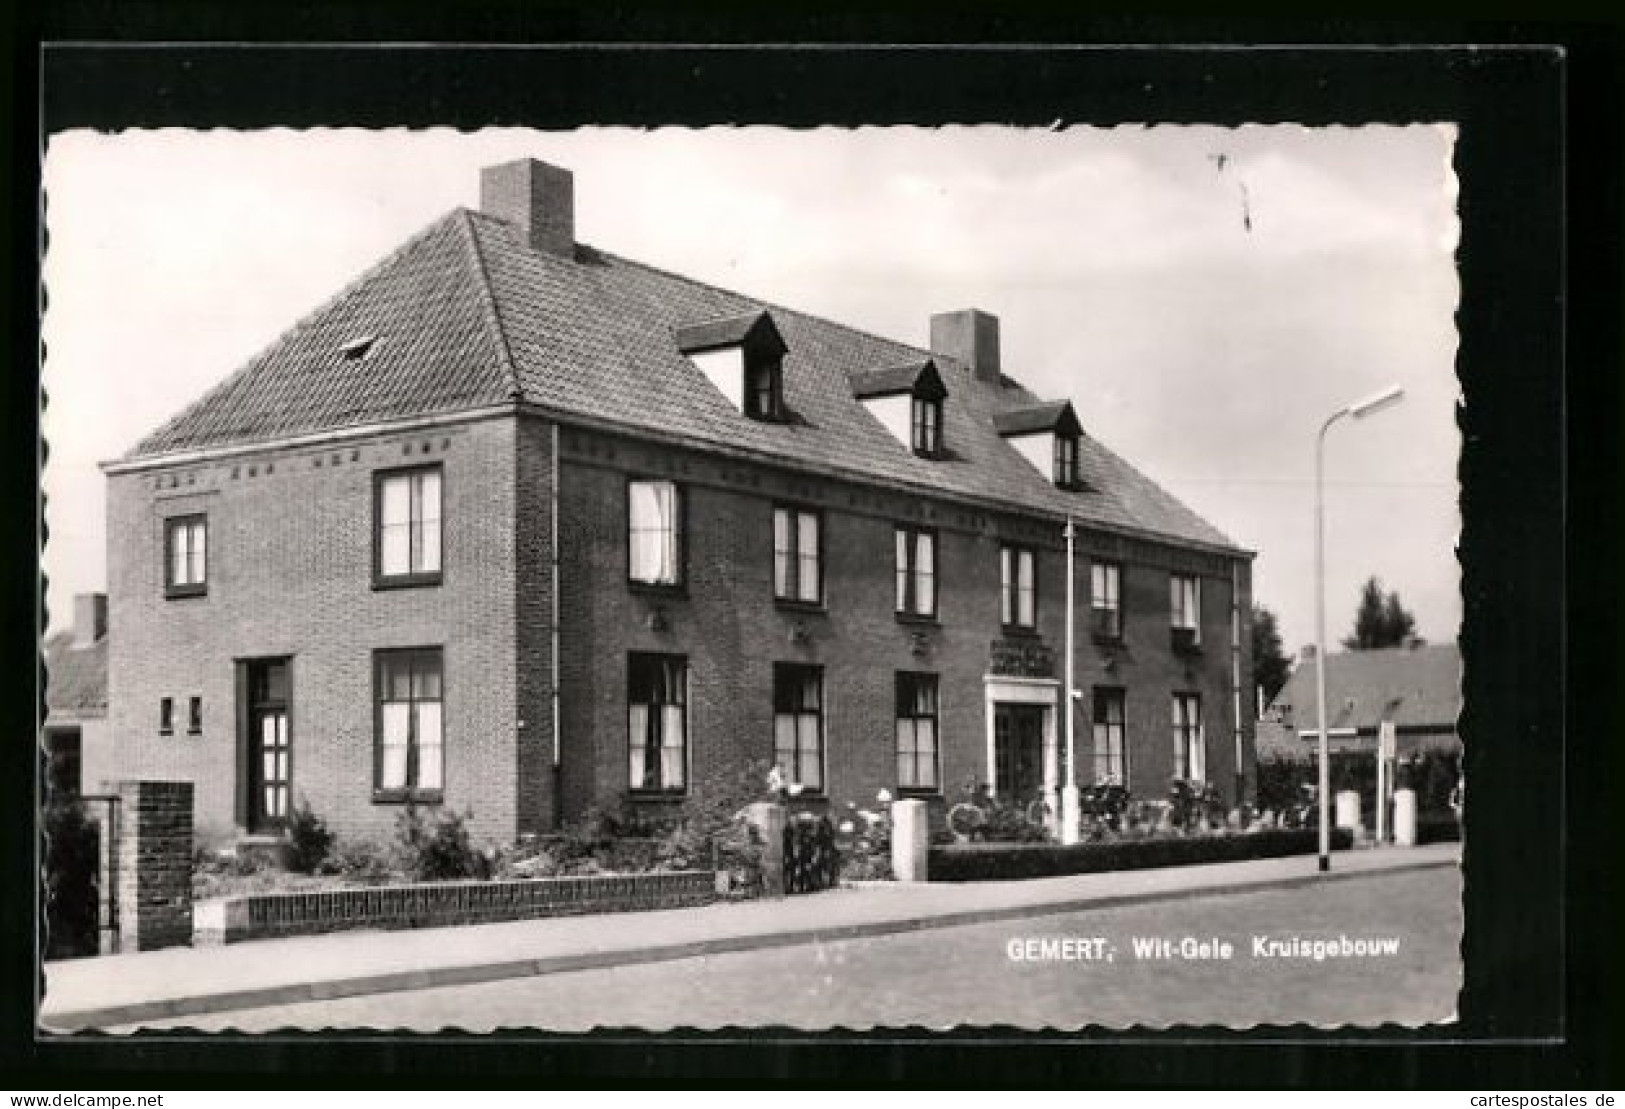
{"x":1235,"y":679}
{"x":553,"y":623}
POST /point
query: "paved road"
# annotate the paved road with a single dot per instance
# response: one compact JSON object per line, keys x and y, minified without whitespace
{"x":967,"y":975}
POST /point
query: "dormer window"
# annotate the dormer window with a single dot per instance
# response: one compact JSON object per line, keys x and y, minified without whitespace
{"x":1066,"y":461}
{"x":1046,"y":435}
{"x":764,"y":390}
{"x":743,"y":356}
{"x":907,"y":400}
{"x":926,"y":426}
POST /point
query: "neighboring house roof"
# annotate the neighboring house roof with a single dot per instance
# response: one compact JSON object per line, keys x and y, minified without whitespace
{"x":75,"y":677}
{"x":466,"y":316}
{"x":1418,"y":688}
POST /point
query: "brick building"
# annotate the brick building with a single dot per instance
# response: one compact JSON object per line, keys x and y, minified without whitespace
{"x":515,"y":524}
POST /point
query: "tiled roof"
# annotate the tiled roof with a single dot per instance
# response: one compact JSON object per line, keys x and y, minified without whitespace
{"x":467,"y":315}
{"x":921,"y":377}
{"x":75,"y":677}
{"x":1415,"y":687}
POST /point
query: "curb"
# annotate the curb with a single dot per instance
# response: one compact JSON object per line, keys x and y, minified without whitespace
{"x":476,"y":973}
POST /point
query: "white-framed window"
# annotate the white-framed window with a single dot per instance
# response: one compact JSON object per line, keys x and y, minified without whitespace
{"x":654,"y":532}
{"x":1185,"y":608}
{"x":1105,"y":599}
{"x":1111,"y":750}
{"x":764,"y":388}
{"x":798,"y":555}
{"x":657,"y":722}
{"x":798,"y":723}
{"x":917,"y":769}
{"x":1066,"y":460}
{"x":186,"y":562}
{"x":1190,"y":747}
{"x":409,"y":758}
{"x":925,"y":426}
{"x":1018,"y":589}
{"x":916,"y":572}
{"x":408,"y":532}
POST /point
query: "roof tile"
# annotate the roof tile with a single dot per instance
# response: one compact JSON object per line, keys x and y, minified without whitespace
{"x":467,"y":315}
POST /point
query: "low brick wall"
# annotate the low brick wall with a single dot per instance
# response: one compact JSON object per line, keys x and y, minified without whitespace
{"x":435,"y":904}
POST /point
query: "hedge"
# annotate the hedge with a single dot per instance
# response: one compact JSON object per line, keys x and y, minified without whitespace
{"x":1438,"y":829}
{"x":981,"y":862}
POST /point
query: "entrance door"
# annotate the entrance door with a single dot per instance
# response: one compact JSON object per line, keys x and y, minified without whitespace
{"x":269,"y":748}
{"x":1018,"y":751}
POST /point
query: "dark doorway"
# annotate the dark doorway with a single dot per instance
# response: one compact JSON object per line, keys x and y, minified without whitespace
{"x":1018,"y":751}
{"x":268,"y":744}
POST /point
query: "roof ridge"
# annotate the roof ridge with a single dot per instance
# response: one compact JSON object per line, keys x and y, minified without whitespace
{"x":488,"y":302}
{"x":287,"y":334}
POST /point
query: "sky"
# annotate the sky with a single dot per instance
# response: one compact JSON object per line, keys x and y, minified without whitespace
{"x":1204,"y":296}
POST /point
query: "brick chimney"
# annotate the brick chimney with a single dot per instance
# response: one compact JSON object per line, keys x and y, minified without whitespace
{"x":535,"y":197}
{"x":89,"y":618}
{"x":970,"y":336}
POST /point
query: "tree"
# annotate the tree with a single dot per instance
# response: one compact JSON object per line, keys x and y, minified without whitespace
{"x":1381,"y":621}
{"x":1270,"y":662}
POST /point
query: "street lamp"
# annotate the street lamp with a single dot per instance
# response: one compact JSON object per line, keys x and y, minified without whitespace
{"x":1359,"y":410}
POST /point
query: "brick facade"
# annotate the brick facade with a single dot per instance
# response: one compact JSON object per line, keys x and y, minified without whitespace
{"x":726,"y":622}
{"x":290,"y":576}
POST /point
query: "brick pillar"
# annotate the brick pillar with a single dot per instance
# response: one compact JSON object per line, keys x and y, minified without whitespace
{"x":154,"y":865}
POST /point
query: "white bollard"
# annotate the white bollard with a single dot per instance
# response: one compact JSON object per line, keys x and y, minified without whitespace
{"x":769,"y":819}
{"x":1348,"y":810}
{"x":910,"y":840}
{"x":1071,"y":813}
{"x":1405,"y":817}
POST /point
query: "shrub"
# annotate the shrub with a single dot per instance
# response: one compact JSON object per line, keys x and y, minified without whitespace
{"x":863,"y":841}
{"x":439,"y":849}
{"x":72,"y":857}
{"x":363,"y":861}
{"x":309,"y":839}
{"x":1432,"y":773}
{"x":999,"y":862}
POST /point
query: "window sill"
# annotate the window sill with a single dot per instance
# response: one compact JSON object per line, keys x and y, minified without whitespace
{"x":1018,"y":631}
{"x":194,"y":731}
{"x":1107,"y":639}
{"x":406,"y":581}
{"x":657,"y":588}
{"x":808,"y":608}
{"x":166,"y":731}
{"x":677,"y":794}
{"x":176,"y":592}
{"x":920,"y":793}
{"x":407,"y":796}
{"x":918,"y":620}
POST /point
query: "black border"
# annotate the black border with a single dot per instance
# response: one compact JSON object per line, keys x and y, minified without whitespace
{"x":1522,"y":109}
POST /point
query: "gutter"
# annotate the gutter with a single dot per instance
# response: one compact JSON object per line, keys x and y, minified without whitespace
{"x":553,"y":622}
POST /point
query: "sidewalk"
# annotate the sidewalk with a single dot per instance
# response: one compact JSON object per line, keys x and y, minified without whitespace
{"x":129,"y":989}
